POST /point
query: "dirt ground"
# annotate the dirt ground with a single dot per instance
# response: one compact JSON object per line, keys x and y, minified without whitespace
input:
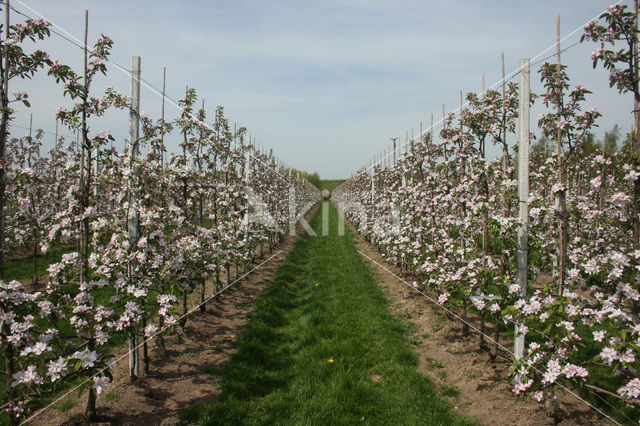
{"x":189,"y":372}
{"x":452,"y":359}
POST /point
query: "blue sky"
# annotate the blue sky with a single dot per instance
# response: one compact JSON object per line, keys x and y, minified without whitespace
{"x":323,"y":83}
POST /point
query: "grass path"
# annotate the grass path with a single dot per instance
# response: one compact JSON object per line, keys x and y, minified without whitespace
{"x":322,"y":348}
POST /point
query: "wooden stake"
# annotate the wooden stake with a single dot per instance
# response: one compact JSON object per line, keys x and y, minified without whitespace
{"x":461,"y":117}
{"x":444,"y":127}
{"x":505,"y":153}
{"x":384,"y":157}
{"x":394,"y":151}
{"x":636,"y":75}
{"x":85,"y":184}
{"x":184,"y":152}
{"x":164,"y":86}
{"x":562,"y":237}
{"x":6,"y":37}
{"x":431,"y":132}
{"x":635,"y":223}
{"x":86,"y":86}
{"x":603,"y":172}
{"x":406,"y":140}
{"x":483,"y":148}
{"x":9,"y":351}
{"x":411,"y":141}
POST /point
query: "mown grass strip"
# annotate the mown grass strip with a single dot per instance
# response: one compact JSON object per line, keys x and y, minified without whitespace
{"x":322,"y":348}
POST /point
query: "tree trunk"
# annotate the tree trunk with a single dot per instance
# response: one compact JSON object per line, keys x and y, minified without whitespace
{"x":562,"y":238}
{"x":145,"y":348}
{"x":90,"y":411}
{"x":482,"y":344}
{"x":465,"y":324}
{"x":485,"y":219}
{"x":203,"y":307}
{"x":160,"y":337}
{"x":35,"y":254}
{"x":496,"y":338}
{"x":8,"y":363}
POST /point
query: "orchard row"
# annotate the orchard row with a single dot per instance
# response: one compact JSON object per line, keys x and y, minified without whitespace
{"x":134,"y":232}
{"x":448,"y":217}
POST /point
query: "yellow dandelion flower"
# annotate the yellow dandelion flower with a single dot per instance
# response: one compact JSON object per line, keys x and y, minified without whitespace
{"x":331,"y":361}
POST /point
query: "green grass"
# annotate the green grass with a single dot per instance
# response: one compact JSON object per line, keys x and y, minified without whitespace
{"x":448,"y":390}
{"x":330,"y":185}
{"x":112,"y":396}
{"x":22,"y":269}
{"x":433,"y":364}
{"x":67,"y":405}
{"x":281,"y":372}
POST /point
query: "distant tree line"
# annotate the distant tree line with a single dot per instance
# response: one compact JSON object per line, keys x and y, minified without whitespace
{"x":313,"y":178}
{"x":610,"y":142}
